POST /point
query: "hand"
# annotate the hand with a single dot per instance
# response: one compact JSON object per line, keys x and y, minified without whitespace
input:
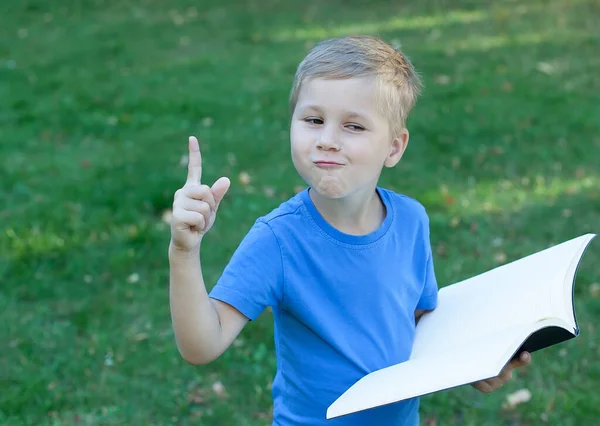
{"x":505,"y":375}
{"x":195,"y":205}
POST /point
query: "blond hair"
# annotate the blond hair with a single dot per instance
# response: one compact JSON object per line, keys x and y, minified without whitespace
{"x":398,"y":83}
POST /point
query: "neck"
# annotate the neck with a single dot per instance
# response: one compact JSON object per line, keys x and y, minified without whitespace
{"x":358,"y":214}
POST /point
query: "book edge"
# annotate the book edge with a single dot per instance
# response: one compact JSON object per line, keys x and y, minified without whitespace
{"x":586,"y":244}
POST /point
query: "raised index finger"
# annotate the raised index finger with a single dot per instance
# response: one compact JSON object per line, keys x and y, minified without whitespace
{"x":194,"y":163}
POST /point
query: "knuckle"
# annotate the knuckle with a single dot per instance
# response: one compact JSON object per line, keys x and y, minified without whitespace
{"x":204,"y":208}
{"x":196,"y":192}
{"x":187,"y":191}
{"x":177,"y":202}
{"x":207,"y":192}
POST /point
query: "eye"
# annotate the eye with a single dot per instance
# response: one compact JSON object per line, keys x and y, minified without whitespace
{"x":355,"y":127}
{"x":313,"y":120}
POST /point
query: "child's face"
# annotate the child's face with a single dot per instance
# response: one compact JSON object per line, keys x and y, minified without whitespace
{"x":340,"y":141}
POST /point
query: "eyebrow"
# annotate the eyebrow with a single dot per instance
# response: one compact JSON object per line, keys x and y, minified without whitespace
{"x":313,"y":107}
{"x":350,"y":114}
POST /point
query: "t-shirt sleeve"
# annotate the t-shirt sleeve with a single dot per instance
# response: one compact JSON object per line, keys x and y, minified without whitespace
{"x":429,"y":296}
{"x":253,"y":278}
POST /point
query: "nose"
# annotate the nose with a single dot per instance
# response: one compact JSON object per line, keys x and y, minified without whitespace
{"x":327,"y":140}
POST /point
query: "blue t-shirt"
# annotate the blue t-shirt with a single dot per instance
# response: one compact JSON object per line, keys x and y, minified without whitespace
{"x":343,"y":305}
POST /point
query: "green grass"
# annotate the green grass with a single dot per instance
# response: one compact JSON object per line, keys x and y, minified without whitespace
{"x":97,"y":99}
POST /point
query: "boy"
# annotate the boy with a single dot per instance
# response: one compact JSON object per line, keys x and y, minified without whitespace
{"x":345,"y":265}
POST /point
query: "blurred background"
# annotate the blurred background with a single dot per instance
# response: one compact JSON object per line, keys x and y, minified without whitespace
{"x":97,"y":100}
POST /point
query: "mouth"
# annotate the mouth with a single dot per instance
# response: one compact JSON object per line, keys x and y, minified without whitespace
{"x":328,"y":164}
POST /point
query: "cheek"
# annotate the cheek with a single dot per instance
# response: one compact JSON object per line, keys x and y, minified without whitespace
{"x":362,"y":149}
{"x":295,"y":148}
{"x":367,"y":153}
{"x":299,"y":140}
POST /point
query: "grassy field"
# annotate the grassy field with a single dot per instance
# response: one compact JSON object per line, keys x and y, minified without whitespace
{"x":97,"y":99}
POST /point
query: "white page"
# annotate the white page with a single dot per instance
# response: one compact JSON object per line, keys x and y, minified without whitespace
{"x":518,"y":293}
{"x":437,"y":371}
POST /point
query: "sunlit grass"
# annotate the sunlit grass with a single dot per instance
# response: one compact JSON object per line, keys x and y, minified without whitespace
{"x":478,"y":42}
{"x":508,"y":196}
{"x":396,"y":23}
{"x":36,"y":240}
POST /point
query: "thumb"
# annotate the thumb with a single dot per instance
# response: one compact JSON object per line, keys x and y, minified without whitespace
{"x":219,"y":189}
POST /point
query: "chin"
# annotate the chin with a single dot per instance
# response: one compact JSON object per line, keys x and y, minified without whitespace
{"x":330,"y":188}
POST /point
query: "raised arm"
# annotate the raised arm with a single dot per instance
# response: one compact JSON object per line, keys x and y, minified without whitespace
{"x":204,"y":328}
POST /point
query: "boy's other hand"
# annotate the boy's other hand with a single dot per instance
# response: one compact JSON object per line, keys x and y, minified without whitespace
{"x":195,"y":205}
{"x":505,"y":375}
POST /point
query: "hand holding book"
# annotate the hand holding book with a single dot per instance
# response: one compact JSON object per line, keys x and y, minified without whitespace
{"x":494,"y":383}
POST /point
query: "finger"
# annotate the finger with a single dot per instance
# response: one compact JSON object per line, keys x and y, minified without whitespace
{"x":521,"y":361}
{"x":219,"y":189}
{"x":192,"y":205}
{"x":495,"y":383}
{"x":483,"y":386}
{"x":525,"y":358}
{"x":194,"y":163}
{"x":201,"y":193}
{"x":506,"y":375}
{"x":200,"y":207}
{"x":191,"y":219}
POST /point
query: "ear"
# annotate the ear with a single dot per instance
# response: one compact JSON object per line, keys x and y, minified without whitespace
{"x":397,"y":148}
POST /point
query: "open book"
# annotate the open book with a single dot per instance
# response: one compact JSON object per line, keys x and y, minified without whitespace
{"x":480,"y":324}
